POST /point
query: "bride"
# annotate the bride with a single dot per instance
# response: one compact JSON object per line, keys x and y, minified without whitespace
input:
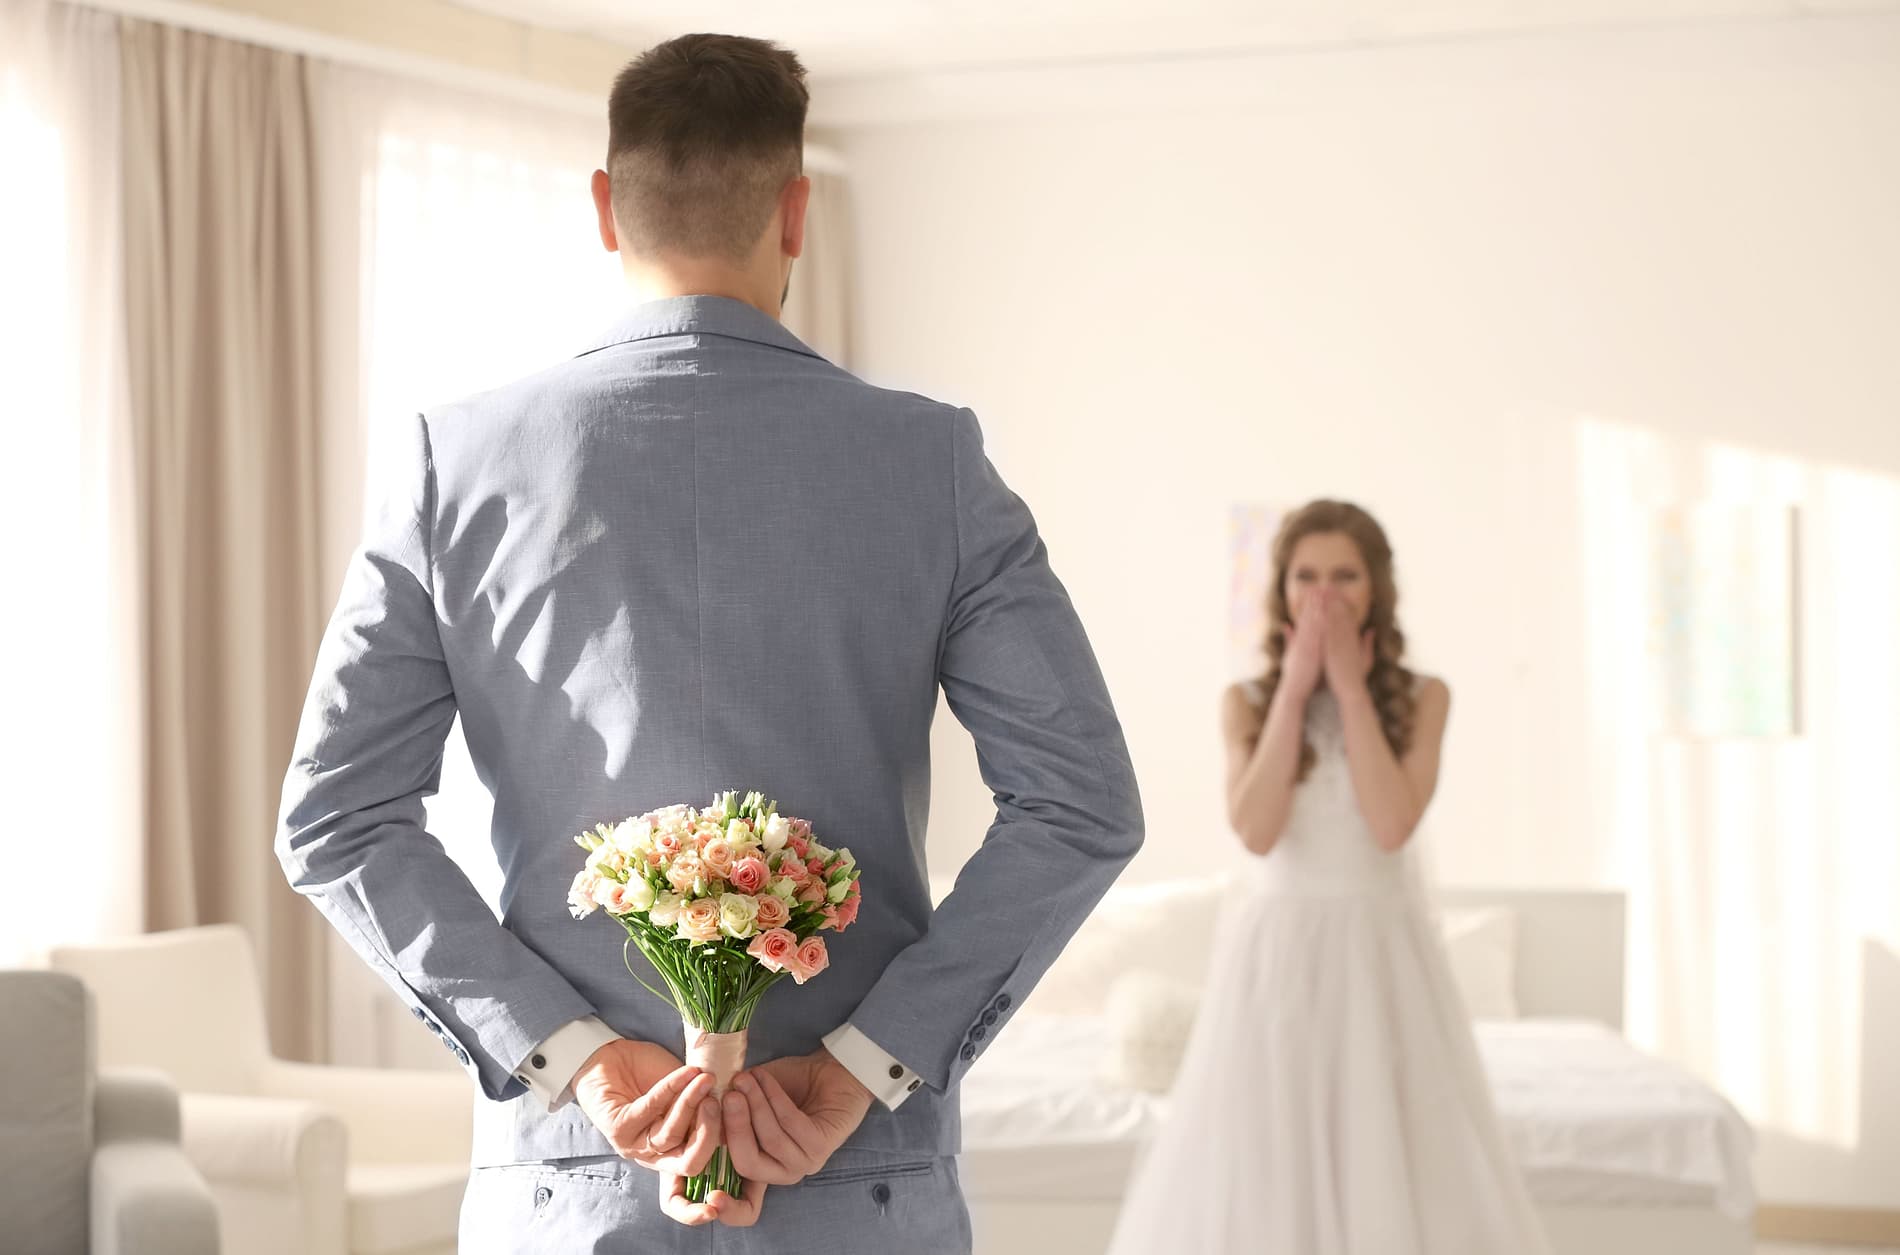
{"x":1331,"y":1100}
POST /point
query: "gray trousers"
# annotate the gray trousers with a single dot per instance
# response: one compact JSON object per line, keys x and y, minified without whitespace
{"x":861,"y":1202}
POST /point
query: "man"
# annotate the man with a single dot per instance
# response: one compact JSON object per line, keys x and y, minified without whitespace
{"x":699,"y":557}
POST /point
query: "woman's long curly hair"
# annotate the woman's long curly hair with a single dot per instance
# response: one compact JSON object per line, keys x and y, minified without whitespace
{"x":1389,"y":681}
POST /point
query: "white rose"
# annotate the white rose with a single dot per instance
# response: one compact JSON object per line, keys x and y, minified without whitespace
{"x":633,"y":836}
{"x":640,"y":895}
{"x":820,"y":852}
{"x":837,"y":892}
{"x":666,"y":908}
{"x":784,"y":888}
{"x":738,"y":914}
{"x":776,"y":830}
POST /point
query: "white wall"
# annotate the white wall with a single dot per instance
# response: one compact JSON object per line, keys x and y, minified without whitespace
{"x":1504,"y":294}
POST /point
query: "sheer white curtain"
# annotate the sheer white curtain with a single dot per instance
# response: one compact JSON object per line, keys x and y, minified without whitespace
{"x":72,"y":843}
{"x":1764,"y":873}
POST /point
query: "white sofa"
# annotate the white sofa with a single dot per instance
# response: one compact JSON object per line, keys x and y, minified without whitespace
{"x":89,"y":1160}
{"x":302,"y":1159}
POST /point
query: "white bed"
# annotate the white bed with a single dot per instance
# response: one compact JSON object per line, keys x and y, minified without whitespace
{"x":1623,"y":1153}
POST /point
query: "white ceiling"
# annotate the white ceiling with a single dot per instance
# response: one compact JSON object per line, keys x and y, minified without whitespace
{"x":877,"y":38}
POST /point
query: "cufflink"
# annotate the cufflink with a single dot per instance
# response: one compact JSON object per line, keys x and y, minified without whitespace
{"x":539,"y":1061}
{"x":912,"y":1087}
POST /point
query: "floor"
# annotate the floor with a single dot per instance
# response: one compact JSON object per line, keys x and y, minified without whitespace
{"x":1770,"y":1248}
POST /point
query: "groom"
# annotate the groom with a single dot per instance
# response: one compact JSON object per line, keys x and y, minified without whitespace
{"x":699,"y":557}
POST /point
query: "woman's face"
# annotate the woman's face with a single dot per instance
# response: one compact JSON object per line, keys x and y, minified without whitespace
{"x":1330,"y":561}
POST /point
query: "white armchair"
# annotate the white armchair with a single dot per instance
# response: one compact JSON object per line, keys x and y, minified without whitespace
{"x":302,"y":1159}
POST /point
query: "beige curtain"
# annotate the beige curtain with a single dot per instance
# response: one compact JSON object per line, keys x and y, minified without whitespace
{"x":818,"y":309}
{"x":221,"y":350}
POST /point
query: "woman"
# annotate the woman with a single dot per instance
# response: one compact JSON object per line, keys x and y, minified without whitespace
{"x":1331,"y":1100}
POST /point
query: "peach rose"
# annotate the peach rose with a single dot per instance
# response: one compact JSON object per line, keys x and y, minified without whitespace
{"x":749,"y":875}
{"x":667,"y":843}
{"x":699,"y":921}
{"x":775,"y":949}
{"x":773,"y":913}
{"x":580,"y":895}
{"x":813,"y":893}
{"x":795,"y":871}
{"x":717,"y":857}
{"x":811,"y":959}
{"x":683,"y":873}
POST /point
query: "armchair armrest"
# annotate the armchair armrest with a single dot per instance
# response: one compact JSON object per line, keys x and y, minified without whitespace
{"x":134,"y":1103}
{"x":147,"y":1199}
{"x":264,"y":1141}
{"x":393,"y":1115}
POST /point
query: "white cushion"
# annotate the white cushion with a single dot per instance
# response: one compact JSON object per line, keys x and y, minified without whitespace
{"x":1164,"y":927}
{"x":1481,"y":944}
{"x":397,"y":1206}
{"x":1150,"y":1018}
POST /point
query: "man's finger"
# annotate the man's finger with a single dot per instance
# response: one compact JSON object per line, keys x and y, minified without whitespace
{"x":677,"y":1124}
{"x":673,"y":1202}
{"x":753,"y":1164}
{"x":692,"y":1158}
{"x":792,"y":1118}
{"x":633,"y":1119}
{"x":739,"y":1213}
{"x":775,"y":1137}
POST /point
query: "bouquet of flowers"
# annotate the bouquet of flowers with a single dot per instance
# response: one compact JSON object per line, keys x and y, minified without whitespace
{"x":725,"y":903}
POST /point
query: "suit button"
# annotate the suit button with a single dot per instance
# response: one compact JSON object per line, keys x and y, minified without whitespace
{"x":461,"y":1054}
{"x":541,"y":1197}
{"x":881,"y":1193}
{"x":419,"y":1013}
{"x":968,"y":1052}
{"x":539,"y":1061}
{"x":1002,"y":1002}
{"x":978,"y":1033}
{"x":989,"y":1017}
{"x":897,"y":1070}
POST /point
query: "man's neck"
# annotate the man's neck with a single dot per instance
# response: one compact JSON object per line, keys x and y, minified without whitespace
{"x":659,"y":283}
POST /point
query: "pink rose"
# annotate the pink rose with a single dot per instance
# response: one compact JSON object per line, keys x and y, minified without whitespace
{"x":667,"y":844}
{"x":773,"y":913}
{"x":717,"y":857}
{"x":811,"y":959}
{"x":847,"y":911}
{"x":749,"y":875}
{"x":776,"y":949}
{"x":813,"y":893}
{"x":816,"y":867}
{"x":800,"y":845}
{"x":794,"y":871}
{"x":699,"y":921}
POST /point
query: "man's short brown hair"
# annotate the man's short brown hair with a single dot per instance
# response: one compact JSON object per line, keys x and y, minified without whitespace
{"x":703,"y":132}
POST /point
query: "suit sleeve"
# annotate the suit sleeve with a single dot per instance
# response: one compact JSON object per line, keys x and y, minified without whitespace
{"x":350,"y":835}
{"x":1017,"y":671}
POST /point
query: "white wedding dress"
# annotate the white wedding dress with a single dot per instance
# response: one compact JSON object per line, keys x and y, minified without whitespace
{"x":1331,"y":1100}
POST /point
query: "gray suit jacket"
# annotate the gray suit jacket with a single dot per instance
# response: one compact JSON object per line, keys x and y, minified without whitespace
{"x":700,"y":557}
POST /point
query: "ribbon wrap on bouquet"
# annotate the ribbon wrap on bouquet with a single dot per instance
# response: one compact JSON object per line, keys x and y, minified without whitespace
{"x":722,"y":1055}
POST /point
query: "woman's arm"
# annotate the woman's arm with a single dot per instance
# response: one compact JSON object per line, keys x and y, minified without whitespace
{"x":1392,"y":793}
{"x":1262,"y":758}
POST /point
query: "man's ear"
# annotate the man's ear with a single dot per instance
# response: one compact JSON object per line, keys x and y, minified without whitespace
{"x":604,"y":210}
{"x":792,"y":203}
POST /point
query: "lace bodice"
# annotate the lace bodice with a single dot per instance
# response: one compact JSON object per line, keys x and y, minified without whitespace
{"x":1326,"y":847}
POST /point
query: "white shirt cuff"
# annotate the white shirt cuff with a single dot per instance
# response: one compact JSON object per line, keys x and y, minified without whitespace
{"x":549,"y":1069}
{"x":889,"y":1081}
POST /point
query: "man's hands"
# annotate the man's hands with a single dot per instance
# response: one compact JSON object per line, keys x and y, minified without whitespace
{"x":652,"y":1108}
{"x":781,"y":1121}
{"x":784,"y":1118}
